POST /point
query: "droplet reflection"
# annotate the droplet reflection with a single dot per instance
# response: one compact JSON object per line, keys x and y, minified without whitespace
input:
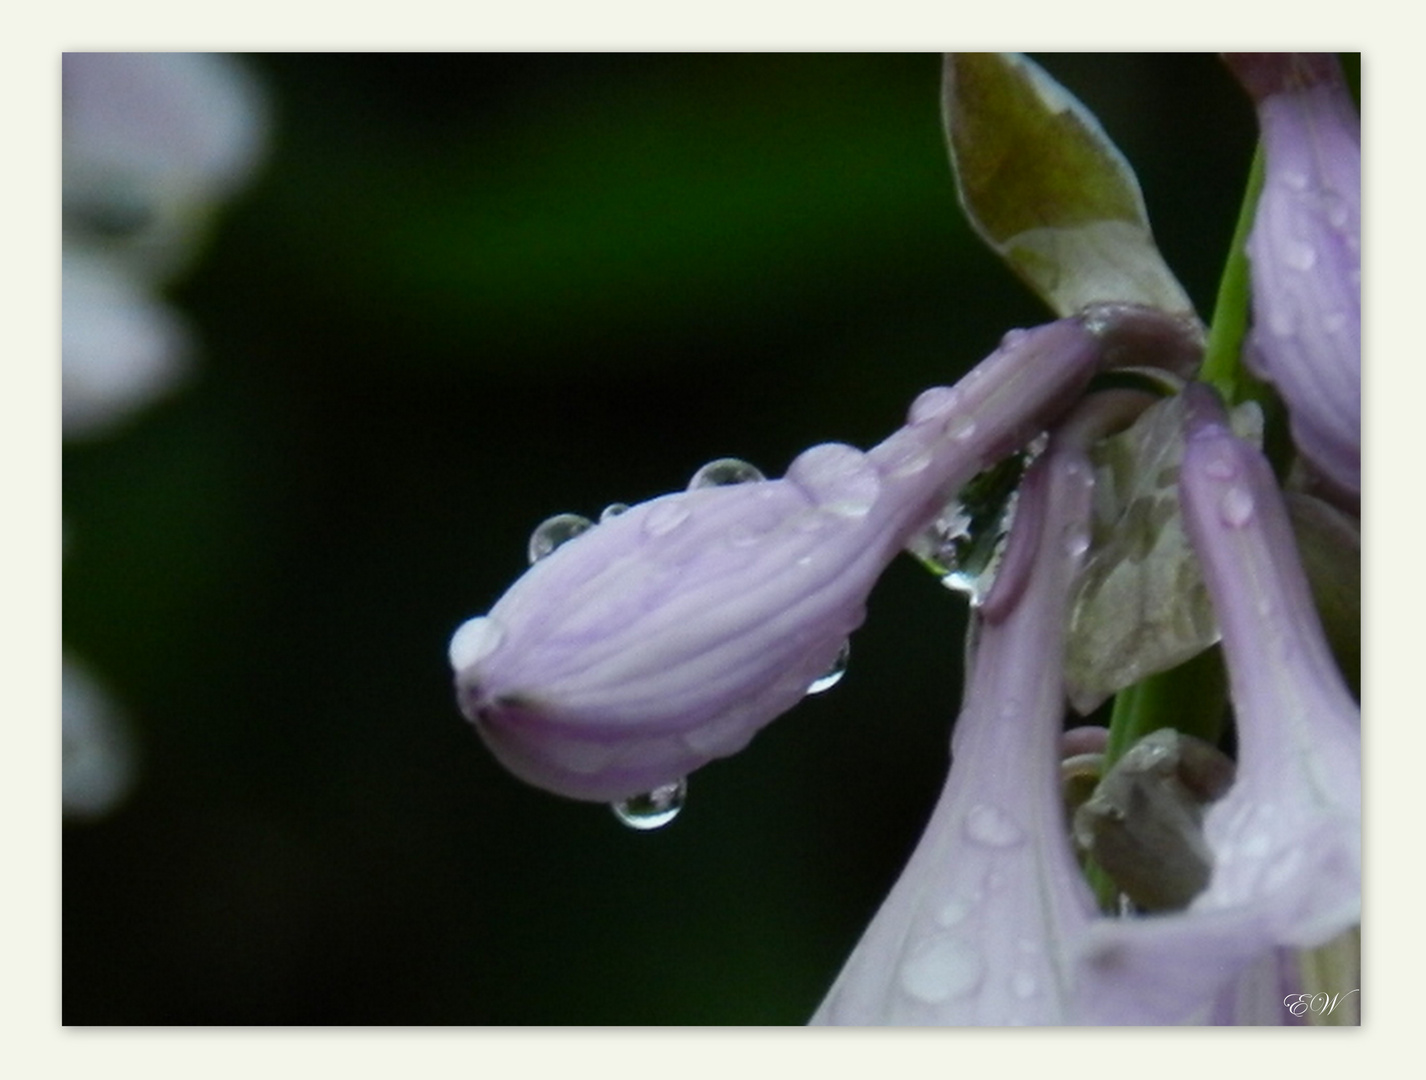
{"x":653,"y":809}
{"x":554,"y":532}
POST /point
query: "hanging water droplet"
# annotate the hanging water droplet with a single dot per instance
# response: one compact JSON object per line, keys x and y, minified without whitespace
{"x":554,"y":532}
{"x":653,"y":809}
{"x":725,"y":472}
{"x":612,"y":510}
{"x":833,"y":674}
{"x":963,"y":546}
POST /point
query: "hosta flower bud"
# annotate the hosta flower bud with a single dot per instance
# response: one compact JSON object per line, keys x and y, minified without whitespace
{"x":669,"y":634}
{"x":1306,"y":258}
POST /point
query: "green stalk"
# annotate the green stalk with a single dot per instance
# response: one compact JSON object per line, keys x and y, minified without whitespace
{"x":1192,"y":697}
{"x":1222,"y":360}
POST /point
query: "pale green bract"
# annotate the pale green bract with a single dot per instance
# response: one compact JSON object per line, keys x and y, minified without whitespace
{"x":1140,"y":605}
{"x":1045,"y":187}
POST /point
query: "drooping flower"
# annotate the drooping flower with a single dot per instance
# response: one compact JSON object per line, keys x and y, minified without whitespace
{"x":1286,"y":838}
{"x":972,"y":931}
{"x":1306,"y":259}
{"x":668,"y":635}
{"x":673,"y":632}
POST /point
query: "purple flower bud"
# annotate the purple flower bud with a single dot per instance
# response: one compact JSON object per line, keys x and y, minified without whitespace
{"x":668,"y":635}
{"x":1286,"y":838}
{"x":1305,"y":254}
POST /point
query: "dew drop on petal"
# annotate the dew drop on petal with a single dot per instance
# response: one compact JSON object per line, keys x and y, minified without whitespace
{"x":1013,"y":338}
{"x":613,"y":510}
{"x":955,"y":910}
{"x":725,"y":472}
{"x":1024,"y":984}
{"x":663,"y":517}
{"x":1236,"y":507}
{"x":837,"y":478}
{"x":653,"y":809}
{"x":961,"y":427}
{"x":1221,"y":467}
{"x":474,"y":640}
{"x":933,"y":403}
{"x":992,"y":827}
{"x":944,"y":966}
{"x":833,"y":675}
{"x":554,"y":532}
{"x":1298,"y":255}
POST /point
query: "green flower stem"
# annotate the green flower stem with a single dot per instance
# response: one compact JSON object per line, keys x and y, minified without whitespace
{"x":1223,"y":356}
{"x":1192,"y":697}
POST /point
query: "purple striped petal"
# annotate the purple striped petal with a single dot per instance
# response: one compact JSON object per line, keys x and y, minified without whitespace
{"x":670,"y":634}
{"x":1305,"y":254}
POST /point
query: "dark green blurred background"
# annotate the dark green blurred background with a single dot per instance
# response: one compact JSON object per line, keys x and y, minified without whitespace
{"x":465,"y":293}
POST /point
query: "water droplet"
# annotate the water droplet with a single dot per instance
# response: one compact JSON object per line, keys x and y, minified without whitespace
{"x":904,"y":454}
{"x":1298,"y":255}
{"x":665,"y":516}
{"x":932,"y":403}
{"x":613,"y":510}
{"x":555,"y":532}
{"x":1076,"y":543}
{"x":474,"y":640}
{"x":991,"y":827}
{"x":1295,"y":179}
{"x":837,"y":478}
{"x":1024,"y":984}
{"x":942,"y":967}
{"x":955,"y":911}
{"x":960,"y":427}
{"x":964,"y":545}
{"x":833,"y":675}
{"x":1221,"y":467}
{"x":725,"y":472}
{"x":1338,"y":212}
{"x":1013,"y":338}
{"x":1236,"y":507}
{"x":653,"y":809}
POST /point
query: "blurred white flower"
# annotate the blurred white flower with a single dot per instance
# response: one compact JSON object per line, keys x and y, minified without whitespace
{"x":152,"y":142}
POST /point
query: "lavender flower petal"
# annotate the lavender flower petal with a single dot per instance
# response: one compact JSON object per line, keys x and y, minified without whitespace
{"x":1305,"y":254}
{"x":1286,"y":839}
{"x":973,"y":931}
{"x":670,"y":634}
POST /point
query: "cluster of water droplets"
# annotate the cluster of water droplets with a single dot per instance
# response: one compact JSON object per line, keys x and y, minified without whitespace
{"x":964,"y":545}
{"x":655,"y":809}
